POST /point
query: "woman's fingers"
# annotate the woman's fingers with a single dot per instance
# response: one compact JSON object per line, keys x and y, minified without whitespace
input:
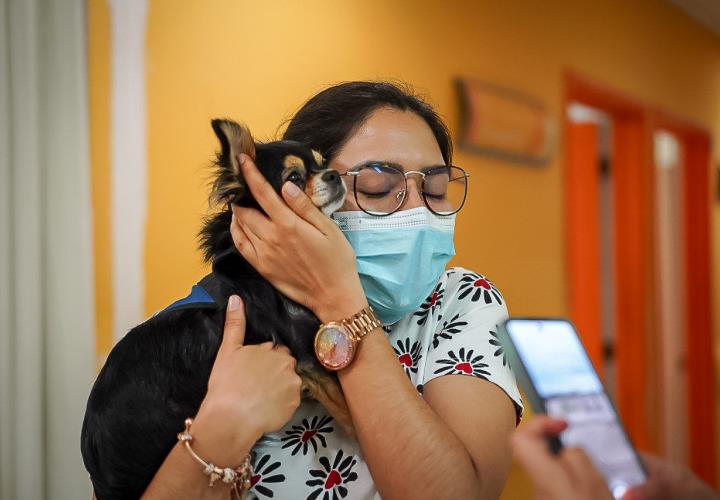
{"x":571,"y":474}
{"x":530,"y":448}
{"x":234,"y":333}
{"x":302,"y":205}
{"x":582,"y":471}
{"x":255,"y":221}
{"x":578,"y":462}
{"x":243,"y":242}
{"x":273,"y":205}
{"x":543,"y":426}
{"x":262,"y":191}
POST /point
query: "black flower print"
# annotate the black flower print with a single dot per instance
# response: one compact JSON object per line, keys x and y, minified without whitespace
{"x":409,"y":356}
{"x":387,"y":329}
{"x":262,"y":477}
{"x":476,"y":286}
{"x":331,"y":481}
{"x":433,"y":301}
{"x":495,"y":341}
{"x":463,"y":363}
{"x":309,"y":433}
{"x":448,"y":329}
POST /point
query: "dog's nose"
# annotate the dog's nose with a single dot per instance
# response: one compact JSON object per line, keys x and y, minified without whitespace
{"x":331,"y":176}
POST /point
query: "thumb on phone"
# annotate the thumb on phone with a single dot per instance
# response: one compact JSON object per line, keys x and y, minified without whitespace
{"x":234,"y":334}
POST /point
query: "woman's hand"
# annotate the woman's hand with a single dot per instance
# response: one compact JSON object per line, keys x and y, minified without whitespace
{"x":253,"y":390}
{"x":298,"y":249}
{"x":570,"y":474}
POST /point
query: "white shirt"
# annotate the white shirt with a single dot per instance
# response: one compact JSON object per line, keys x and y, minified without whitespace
{"x":454,"y":332}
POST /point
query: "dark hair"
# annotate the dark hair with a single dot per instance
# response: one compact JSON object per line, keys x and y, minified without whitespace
{"x":328,"y":119}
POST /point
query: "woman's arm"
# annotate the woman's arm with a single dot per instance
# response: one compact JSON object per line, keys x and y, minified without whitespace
{"x":181,"y":477}
{"x":415,"y":448}
{"x":451,"y":443}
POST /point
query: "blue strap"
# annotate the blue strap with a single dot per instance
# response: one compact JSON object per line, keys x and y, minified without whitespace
{"x":198,"y":297}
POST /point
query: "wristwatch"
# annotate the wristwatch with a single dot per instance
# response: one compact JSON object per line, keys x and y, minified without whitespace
{"x":336,"y":342}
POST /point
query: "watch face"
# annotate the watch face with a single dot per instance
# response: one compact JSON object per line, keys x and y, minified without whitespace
{"x":333,"y":347}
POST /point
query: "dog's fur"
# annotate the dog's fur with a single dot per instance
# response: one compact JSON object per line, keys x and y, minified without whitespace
{"x":157,"y":375}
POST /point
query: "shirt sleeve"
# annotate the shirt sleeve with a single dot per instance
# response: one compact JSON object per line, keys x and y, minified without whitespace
{"x":465,"y":341}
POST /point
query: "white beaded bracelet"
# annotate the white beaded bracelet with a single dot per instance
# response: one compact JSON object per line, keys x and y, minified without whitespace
{"x":235,"y":477}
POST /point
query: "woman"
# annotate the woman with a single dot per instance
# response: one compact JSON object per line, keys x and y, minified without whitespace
{"x":422,"y":431}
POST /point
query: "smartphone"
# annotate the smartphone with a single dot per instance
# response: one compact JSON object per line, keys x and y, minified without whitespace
{"x":558,"y":379}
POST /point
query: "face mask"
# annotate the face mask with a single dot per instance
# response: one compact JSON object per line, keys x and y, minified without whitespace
{"x":399,"y":257}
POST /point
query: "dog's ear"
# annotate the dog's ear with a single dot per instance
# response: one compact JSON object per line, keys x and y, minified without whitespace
{"x":235,"y":139}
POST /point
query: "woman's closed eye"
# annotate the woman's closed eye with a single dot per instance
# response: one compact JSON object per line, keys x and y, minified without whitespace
{"x":377,"y":186}
{"x":379,"y":194}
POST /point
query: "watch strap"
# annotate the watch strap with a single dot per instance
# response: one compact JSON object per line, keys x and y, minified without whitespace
{"x":361,"y":323}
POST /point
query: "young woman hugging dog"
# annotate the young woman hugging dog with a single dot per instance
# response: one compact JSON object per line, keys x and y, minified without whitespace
{"x":432,"y":400}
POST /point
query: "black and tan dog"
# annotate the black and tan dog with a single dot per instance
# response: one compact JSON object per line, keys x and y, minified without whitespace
{"x":157,"y":375}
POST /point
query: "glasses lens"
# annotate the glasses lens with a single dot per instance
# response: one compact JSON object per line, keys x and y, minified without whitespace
{"x":445,"y":189}
{"x":379,"y":188}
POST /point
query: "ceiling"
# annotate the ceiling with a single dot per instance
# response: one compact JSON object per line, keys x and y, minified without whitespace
{"x":706,"y":12}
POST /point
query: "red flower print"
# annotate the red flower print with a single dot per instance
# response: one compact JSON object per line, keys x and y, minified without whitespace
{"x":309,"y":433}
{"x":448,"y":329}
{"x":408,"y":356}
{"x":261,"y":477}
{"x":476,"y":286}
{"x":331,"y":480}
{"x":433,"y":301}
{"x":463,"y":364}
{"x":495,"y":341}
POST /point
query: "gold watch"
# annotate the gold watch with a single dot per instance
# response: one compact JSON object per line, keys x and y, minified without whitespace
{"x":336,"y":342}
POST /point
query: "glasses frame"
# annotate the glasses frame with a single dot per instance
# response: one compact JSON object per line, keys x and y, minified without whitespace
{"x":355,"y":172}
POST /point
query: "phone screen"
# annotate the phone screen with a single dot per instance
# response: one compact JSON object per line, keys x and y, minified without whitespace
{"x":568,"y":387}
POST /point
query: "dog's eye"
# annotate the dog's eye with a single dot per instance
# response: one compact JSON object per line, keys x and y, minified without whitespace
{"x":295,"y":178}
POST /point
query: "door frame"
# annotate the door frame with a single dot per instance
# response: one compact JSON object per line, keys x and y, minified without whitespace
{"x":699,"y":347}
{"x":633,"y":183}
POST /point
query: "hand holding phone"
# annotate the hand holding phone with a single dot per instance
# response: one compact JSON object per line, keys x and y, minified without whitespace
{"x":556,"y":476}
{"x":559,"y":379}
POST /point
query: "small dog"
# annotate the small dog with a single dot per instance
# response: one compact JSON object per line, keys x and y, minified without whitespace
{"x":157,"y":375}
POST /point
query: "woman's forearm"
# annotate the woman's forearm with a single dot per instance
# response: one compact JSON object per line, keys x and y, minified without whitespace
{"x":410,"y":452}
{"x":180,"y":476}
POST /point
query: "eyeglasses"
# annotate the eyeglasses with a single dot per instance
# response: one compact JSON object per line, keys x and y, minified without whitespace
{"x":380,"y":188}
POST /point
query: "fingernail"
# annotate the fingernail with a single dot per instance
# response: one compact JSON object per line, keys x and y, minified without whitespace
{"x":233,"y":303}
{"x":291,"y":189}
{"x":634,"y":494}
{"x":243,"y":157}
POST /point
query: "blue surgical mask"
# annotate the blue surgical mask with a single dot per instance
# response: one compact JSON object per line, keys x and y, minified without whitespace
{"x":399,"y":257}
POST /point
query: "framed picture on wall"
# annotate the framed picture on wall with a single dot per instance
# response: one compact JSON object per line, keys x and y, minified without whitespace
{"x":504,"y":123}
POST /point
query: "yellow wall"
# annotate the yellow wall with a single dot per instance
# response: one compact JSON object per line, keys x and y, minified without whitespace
{"x":258,"y":61}
{"x":99,"y":104}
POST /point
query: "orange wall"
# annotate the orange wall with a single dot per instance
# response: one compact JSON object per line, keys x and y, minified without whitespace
{"x":258,"y":61}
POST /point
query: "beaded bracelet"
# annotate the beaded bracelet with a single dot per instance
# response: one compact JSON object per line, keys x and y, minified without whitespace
{"x":235,"y":477}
